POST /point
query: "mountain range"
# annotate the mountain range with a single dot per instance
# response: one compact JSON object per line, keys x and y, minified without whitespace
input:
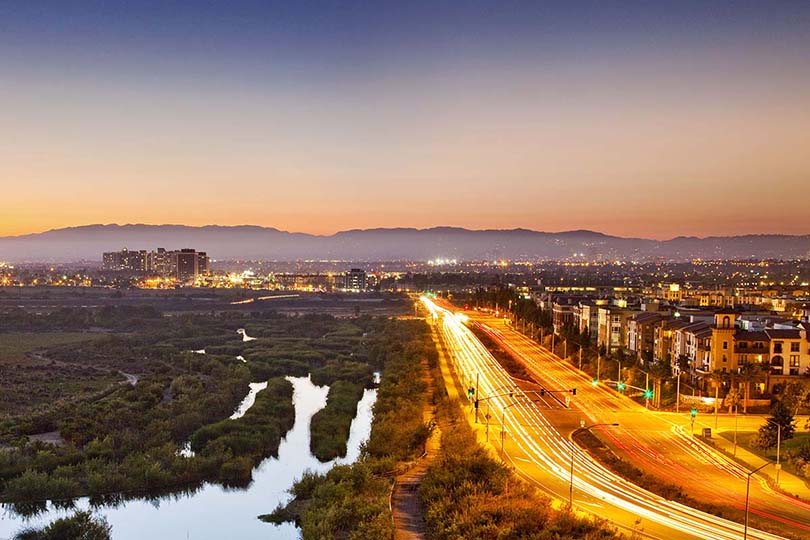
{"x":266,"y":243}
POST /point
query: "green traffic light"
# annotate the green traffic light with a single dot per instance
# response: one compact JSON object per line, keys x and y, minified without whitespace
{"x":694,"y":412}
{"x":648,"y":394}
{"x":621,"y":386}
{"x":595,"y":382}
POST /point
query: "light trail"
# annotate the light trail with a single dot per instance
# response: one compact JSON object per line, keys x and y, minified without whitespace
{"x":678,"y":441}
{"x":545,"y":448}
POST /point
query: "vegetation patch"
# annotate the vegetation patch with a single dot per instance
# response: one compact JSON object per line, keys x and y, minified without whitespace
{"x":468,"y":494}
{"x":79,"y":526}
{"x":30,"y":379}
{"x":245,"y":441}
{"x":122,"y":440}
{"x":329,"y":429}
{"x":504,"y":358}
{"x":351,"y":501}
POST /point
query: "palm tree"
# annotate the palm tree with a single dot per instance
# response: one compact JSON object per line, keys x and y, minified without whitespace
{"x":748,"y":373}
{"x":717,"y":378}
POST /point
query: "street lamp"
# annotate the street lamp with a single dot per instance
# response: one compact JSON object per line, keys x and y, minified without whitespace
{"x":503,"y":423}
{"x":778,"y":447}
{"x":747,"y":493}
{"x":582,"y":427}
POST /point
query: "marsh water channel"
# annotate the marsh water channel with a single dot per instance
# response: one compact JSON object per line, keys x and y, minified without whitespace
{"x":216,"y":512}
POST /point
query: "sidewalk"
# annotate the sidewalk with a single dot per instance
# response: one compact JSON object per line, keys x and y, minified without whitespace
{"x":788,"y":483}
{"x":408,"y":514}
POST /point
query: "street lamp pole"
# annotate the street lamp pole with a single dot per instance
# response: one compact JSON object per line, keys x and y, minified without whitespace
{"x":678,"y":389}
{"x":582,"y":427}
{"x":477,"y":377}
{"x":598,"y":366}
{"x":503,"y":424}
{"x":747,"y":494}
{"x":778,"y":447}
{"x":735,"y":429}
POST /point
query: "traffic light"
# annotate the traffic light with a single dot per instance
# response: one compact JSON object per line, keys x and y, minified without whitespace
{"x":621,"y":386}
{"x":648,"y":394}
{"x":595,"y":382}
{"x":542,"y":392}
{"x":573,"y":391}
{"x":693,"y":412}
{"x":470,"y":391}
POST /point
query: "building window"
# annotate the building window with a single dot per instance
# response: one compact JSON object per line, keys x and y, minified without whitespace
{"x":726,"y":321}
{"x":777,"y":347}
{"x":725,"y":359}
{"x":794,"y":360}
{"x":743,"y":344}
{"x":794,"y":347}
{"x":725,"y":344}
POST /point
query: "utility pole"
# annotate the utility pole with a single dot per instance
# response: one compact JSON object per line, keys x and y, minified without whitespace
{"x":565,"y":349}
{"x":580,"y":358}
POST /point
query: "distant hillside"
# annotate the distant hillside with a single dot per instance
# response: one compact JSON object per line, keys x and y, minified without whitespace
{"x":252,"y":242}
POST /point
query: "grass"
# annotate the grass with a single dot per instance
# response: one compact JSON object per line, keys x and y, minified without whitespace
{"x":15,"y":346}
{"x":21,"y":372}
{"x":745,"y":440}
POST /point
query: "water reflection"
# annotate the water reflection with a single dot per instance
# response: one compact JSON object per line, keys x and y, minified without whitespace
{"x":250,"y":399}
{"x":215,"y":512}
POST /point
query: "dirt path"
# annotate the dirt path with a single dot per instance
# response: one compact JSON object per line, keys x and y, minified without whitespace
{"x":408,"y":513}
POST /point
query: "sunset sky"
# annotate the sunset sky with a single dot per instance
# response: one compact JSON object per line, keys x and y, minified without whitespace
{"x":652,"y":119}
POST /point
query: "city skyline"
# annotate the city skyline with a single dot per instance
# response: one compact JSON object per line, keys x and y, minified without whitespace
{"x":632,"y":120}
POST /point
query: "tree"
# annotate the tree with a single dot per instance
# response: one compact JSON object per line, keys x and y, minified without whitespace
{"x":781,"y":417}
{"x":732,"y":399}
{"x":796,"y":395}
{"x":749,"y":372}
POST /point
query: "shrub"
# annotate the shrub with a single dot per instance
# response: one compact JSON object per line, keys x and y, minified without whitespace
{"x":80,"y":526}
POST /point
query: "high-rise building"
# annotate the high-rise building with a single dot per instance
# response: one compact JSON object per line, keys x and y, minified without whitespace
{"x":160,"y":262}
{"x":356,"y":279}
{"x":184,"y":264}
{"x":126,"y":261}
{"x":203,"y":263}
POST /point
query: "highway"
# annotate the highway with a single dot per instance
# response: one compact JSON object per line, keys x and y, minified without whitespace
{"x":542,"y":452}
{"x":657,"y":442}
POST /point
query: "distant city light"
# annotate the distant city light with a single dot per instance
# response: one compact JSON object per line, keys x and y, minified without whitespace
{"x":442,"y":262}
